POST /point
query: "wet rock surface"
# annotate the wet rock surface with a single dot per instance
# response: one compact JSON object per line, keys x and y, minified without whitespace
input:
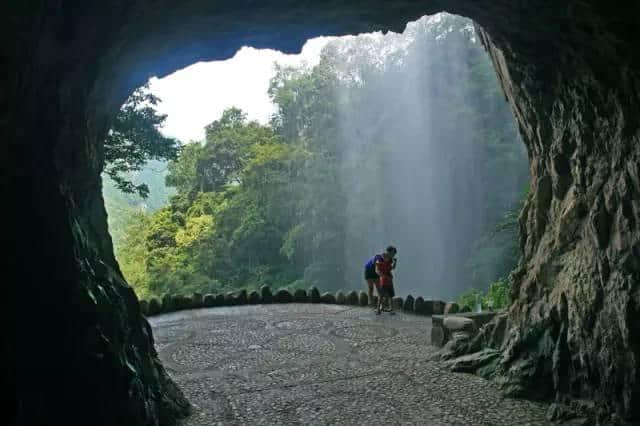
{"x":322,"y":364}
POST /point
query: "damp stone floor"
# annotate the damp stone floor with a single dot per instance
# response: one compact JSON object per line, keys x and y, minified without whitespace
{"x":315,"y":364}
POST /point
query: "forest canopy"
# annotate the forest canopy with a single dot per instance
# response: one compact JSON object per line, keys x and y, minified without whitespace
{"x":401,"y":139}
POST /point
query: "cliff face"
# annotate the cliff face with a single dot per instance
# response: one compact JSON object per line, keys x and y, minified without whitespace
{"x":573,"y":324}
{"x":79,"y":350}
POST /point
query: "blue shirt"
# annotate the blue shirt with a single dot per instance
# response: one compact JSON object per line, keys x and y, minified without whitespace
{"x":371,"y":263}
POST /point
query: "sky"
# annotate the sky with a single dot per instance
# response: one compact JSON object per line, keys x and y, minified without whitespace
{"x":197,"y":95}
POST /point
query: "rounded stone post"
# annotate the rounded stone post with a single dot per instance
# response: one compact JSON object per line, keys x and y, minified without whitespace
{"x":408,"y":304}
{"x":229,"y":299}
{"x":254,"y":298}
{"x":209,"y":301}
{"x":300,"y":296}
{"x":328,"y":298}
{"x":314,"y":295}
{"x":220,"y":300}
{"x":352,"y":298}
{"x":242,"y":298}
{"x":167,"y":303}
{"x":154,"y":306}
{"x":363,"y":299}
{"x":397,"y":302}
{"x":283,"y":296}
{"x":197,"y":300}
{"x":265,"y":294}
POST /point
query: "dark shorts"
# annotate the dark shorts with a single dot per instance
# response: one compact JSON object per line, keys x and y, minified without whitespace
{"x":370,"y":274}
{"x":386,"y":291}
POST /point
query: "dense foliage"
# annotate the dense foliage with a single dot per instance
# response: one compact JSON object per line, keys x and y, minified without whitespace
{"x":135,"y":139}
{"x":351,"y":161}
{"x":122,"y":206}
{"x":136,"y":155}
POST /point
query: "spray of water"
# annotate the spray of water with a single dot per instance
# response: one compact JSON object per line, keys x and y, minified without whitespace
{"x":419,"y":116}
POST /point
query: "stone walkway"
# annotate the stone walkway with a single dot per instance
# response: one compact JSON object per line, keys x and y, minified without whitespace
{"x":322,"y":364}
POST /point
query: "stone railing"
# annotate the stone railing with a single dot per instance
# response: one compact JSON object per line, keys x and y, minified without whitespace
{"x":172,"y":303}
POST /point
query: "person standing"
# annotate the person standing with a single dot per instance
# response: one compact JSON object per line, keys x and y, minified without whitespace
{"x":371,"y":276}
{"x":385,"y":287}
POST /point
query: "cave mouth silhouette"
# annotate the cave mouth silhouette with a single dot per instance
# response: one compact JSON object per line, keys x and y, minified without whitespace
{"x":77,"y":349}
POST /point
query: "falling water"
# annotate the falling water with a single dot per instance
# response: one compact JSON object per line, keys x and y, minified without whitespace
{"x":414,"y":161}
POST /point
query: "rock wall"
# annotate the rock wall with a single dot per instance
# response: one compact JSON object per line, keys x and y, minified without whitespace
{"x":573,"y":323}
{"x":79,"y":351}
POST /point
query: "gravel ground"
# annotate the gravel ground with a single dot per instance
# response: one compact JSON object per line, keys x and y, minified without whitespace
{"x":322,"y":364}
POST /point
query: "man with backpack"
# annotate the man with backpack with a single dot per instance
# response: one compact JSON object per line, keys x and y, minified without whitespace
{"x":371,"y":276}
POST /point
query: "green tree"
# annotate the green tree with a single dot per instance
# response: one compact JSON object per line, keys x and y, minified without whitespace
{"x":300,"y":201}
{"x":132,"y":252}
{"x":134,"y":139}
{"x":224,"y":228}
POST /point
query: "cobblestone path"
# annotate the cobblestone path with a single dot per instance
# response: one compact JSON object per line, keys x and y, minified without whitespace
{"x":322,"y":364}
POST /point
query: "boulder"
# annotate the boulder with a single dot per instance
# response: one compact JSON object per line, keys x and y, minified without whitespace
{"x":209,"y":301}
{"x":265,"y":294}
{"x":574,"y":414}
{"x":496,"y":333}
{"x":341,"y":299}
{"x":352,"y":298}
{"x":408,"y":304}
{"x":283,"y":296}
{"x":451,"y":308}
{"x":457,"y":345}
{"x":328,"y":298}
{"x":314,"y":295}
{"x":491,"y":330}
{"x":254,"y":298}
{"x":482,"y":362}
{"x":363,"y":299}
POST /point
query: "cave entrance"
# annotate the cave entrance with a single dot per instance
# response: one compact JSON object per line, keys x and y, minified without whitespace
{"x":295,"y":169}
{"x":569,"y":70}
